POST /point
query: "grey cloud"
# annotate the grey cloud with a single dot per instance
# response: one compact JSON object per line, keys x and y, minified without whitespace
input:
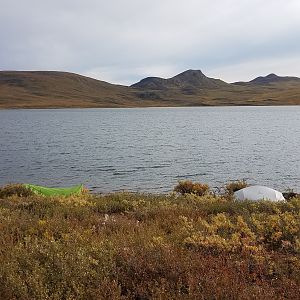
{"x":123,"y":41}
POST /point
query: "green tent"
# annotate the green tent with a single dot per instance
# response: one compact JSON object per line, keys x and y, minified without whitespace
{"x":46,"y":191}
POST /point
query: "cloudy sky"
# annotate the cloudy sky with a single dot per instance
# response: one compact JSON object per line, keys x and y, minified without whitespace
{"x":123,"y":41}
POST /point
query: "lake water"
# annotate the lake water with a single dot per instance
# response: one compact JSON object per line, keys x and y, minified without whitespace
{"x":150,"y":149}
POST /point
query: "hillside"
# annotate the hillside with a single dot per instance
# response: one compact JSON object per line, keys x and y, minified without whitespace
{"x":52,"y":89}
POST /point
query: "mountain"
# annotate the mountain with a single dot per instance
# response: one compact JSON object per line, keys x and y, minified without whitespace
{"x":193,"y":88}
{"x":270,"y":79}
{"x":273,"y":78}
{"x":53,"y":89}
{"x":184,"y":80}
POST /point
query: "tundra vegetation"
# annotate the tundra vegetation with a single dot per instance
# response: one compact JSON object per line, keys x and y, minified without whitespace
{"x":191,"y":245}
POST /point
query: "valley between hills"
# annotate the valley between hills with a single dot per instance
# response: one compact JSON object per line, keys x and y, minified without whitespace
{"x":53,"y":89}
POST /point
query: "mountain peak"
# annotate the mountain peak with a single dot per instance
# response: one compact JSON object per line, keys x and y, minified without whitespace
{"x":189,"y":76}
{"x":191,"y":72}
{"x":189,"y":79}
{"x":195,"y":79}
{"x":272,"y":76}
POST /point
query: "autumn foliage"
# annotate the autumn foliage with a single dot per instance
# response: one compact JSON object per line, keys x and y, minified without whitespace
{"x":137,"y":246}
{"x":189,"y":187}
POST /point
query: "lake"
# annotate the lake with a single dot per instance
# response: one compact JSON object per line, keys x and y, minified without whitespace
{"x":150,"y":149}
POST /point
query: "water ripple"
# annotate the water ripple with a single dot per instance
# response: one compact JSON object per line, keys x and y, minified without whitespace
{"x":151,"y":149}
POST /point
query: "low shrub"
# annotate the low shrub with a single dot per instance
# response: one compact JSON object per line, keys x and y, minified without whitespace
{"x":234,"y":186}
{"x":15,"y":189}
{"x":290,"y":194}
{"x":189,"y":187}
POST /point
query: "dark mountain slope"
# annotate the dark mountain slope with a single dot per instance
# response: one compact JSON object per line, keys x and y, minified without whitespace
{"x":270,"y":79}
{"x":186,"y":79}
{"x":273,"y":78}
{"x":196,"y":79}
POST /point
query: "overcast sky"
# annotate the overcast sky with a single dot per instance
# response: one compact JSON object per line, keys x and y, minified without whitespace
{"x":123,"y":41}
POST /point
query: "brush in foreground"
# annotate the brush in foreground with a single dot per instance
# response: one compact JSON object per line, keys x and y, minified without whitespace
{"x":136,"y":246}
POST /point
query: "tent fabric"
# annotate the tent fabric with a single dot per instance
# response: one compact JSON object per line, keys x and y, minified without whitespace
{"x":46,"y":191}
{"x":258,"y":192}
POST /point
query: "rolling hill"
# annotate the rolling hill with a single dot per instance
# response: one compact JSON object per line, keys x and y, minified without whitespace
{"x":53,"y":89}
{"x":39,"y":89}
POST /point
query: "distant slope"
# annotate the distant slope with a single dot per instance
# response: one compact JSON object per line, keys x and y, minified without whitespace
{"x":51,"y":89}
{"x":39,"y":89}
{"x":273,"y":78}
{"x":269,"y":79}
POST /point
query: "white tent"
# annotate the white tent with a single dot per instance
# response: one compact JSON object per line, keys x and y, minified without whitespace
{"x":257,"y":192}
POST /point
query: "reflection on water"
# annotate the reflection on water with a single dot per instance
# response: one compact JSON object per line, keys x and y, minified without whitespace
{"x":150,"y":149}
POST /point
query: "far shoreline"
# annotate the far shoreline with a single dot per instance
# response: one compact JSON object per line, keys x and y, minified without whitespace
{"x":143,"y":107}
